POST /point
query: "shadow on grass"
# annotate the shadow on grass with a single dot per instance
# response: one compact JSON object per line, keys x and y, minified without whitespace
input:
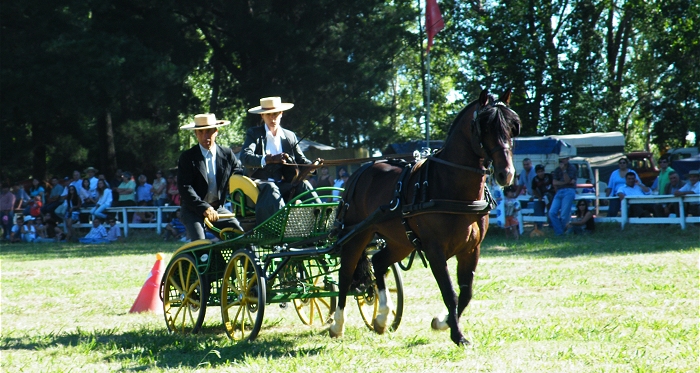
{"x":608,"y":239}
{"x":142,"y":349}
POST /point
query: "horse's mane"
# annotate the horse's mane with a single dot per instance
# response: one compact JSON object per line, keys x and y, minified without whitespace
{"x":498,"y":112}
{"x":458,"y":119}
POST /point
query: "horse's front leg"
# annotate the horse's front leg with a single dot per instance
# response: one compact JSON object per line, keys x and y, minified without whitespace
{"x":438,"y":265}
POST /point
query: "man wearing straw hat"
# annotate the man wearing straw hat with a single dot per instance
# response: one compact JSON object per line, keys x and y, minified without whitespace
{"x":202,"y":177}
{"x":267,"y":150}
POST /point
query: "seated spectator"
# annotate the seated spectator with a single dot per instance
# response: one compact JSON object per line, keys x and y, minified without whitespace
{"x":97,"y":233}
{"x":116,"y":179}
{"x":173,"y":192}
{"x":114,"y":233}
{"x":634,"y":187}
{"x":144,"y":195}
{"x":583,"y":222}
{"x":341,"y":180}
{"x":72,"y":211}
{"x":16,"y":231}
{"x":104,"y":200}
{"x":35,"y":207}
{"x":160,"y":190}
{"x":323,"y":180}
{"x":28,"y":230}
{"x":7,"y":204}
{"x":512,"y":206}
{"x":22,"y":199}
{"x":54,"y":198}
{"x":102,"y":177}
{"x":525,"y":178}
{"x":90,"y":175}
{"x":143,"y":216}
{"x":126,"y":191}
{"x":88,"y":196}
{"x":542,"y":190}
{"x":37,"y":190}
{"x":175,"y":228}
{"x":617,"y":180}
{"x":41,"y":231}
{"x":588,"y":190}
{"x":666,"y":209}
{"x":691,"y":187}
{"x":53,"y":231}
{"x":663,"y":179}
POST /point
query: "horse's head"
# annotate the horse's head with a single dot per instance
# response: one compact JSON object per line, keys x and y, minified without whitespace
{"x":493,"y":129}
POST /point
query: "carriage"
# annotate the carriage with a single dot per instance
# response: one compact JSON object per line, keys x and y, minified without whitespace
{"x":288,"y":259}
{"x":437,"y":207}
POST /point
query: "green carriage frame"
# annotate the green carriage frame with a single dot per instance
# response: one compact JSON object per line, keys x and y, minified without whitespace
{"x":291,"y":257}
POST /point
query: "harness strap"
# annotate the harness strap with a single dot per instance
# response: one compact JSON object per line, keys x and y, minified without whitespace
{"x":480,"y":171}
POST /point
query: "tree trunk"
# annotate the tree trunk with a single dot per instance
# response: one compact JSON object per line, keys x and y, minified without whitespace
{"x":39,"y":151}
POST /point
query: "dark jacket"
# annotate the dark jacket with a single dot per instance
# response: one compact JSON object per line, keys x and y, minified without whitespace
{"x":254,"y":151}
{"x":192,"y":177}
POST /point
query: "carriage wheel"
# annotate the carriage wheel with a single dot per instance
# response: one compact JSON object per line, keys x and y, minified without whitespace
{"x":369,"y":302}
{"x":317,"y":311}
{"x":243,"y":297}
{"x":185,"y":295}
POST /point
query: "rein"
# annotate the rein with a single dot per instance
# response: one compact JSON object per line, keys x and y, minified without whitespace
{"x":480,"y":171}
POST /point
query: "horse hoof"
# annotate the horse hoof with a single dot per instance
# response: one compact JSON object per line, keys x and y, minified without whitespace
{"x":438,"y":324}
{"x":378,"y":328}
{"x":462,"y":342}
{"x":334,"y":334}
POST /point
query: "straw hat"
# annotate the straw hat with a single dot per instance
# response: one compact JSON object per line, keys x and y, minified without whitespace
{"x":205,"y":121}
{"x":270,"y":105}
{"x":93,"y":169}
{"x":693,"y":172}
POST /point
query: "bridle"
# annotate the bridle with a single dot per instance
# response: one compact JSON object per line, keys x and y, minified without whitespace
{"x":486,"y":151}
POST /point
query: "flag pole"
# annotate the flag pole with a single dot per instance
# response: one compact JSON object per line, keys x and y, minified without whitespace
{"x":427,"y":101}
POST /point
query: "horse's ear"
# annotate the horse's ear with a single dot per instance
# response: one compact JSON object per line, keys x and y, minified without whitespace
{"x":505,"y":97}
{"x":484,"y":97}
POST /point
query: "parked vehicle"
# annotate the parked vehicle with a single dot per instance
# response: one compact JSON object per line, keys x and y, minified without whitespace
{"x":643,"y":164}
{"x":681,"y":153}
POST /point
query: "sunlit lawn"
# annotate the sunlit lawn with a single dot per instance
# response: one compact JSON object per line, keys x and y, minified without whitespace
{"x":617,"y":301}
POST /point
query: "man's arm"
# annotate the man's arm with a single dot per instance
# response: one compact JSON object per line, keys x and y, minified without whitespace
{"x":297,"y":154}
{"x":186,"y":169}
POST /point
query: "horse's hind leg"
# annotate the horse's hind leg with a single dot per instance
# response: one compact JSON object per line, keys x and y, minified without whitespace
{"x":350,"y":255}
{"x":438,"y":265}
{"x":380,"y":263}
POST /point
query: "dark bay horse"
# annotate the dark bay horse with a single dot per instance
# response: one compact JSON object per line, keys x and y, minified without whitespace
{"x":481,"y":134}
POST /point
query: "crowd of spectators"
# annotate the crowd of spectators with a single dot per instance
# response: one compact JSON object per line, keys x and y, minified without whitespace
{"x":46,"y":211}
{"x":543,"y":188}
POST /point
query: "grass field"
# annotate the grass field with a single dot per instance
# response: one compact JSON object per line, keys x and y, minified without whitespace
{"x":611,"y":302}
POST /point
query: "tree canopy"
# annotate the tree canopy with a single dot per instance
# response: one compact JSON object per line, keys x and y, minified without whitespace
{"x":107,"y":83}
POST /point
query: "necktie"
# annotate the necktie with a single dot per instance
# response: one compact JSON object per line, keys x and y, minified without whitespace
{"x":211,"y":179}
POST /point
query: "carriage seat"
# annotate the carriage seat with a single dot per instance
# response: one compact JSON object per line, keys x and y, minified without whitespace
{"x":246,"y":185}
{"x":243,"y":195}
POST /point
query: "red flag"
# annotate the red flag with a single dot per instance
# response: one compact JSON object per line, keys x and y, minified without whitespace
{"x":433,"y":21}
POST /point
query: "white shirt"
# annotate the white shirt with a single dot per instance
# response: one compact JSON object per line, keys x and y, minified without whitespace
{"x":210,"y":162}
{"x":273,"y":144}
{"x":106,"y":198}
{"x":688,"y":187}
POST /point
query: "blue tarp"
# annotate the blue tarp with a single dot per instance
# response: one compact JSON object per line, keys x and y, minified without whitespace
{"x":537,"y":146}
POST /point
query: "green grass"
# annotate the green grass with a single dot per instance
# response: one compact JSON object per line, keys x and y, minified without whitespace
{"x":610,"y":302}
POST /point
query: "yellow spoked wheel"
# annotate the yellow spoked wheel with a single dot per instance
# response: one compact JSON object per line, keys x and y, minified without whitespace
{"x":184,"y":295}
{"x":368,"y":303}
{"x":243,"y":297}
{"x":315,"y":311}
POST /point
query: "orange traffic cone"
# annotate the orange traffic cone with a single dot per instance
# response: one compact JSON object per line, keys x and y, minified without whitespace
{"x":149,"y":299}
